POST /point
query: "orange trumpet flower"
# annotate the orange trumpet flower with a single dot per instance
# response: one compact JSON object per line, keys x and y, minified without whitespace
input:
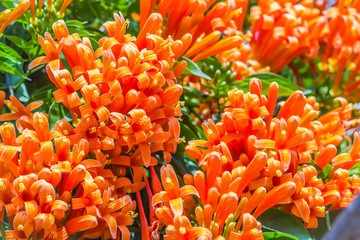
{"x":182,"y":229}
{"x":19,"y":111}
{"x":173,"y":194}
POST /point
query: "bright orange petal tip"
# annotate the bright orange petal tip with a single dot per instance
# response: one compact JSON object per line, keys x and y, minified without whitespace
{"x":294,"y":106}
{"x":275,"y":196}
{"x":60,"y":29}
{"x":152,"y":25}
{"x":81,"y":223}
{"x":65,"y":4}
{"x":326,"y":155}
{"x":2,"y":98}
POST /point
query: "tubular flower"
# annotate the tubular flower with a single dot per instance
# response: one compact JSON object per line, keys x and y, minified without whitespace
{"x":130,"y":97}
{"x":39,"y":187}
{"x":284,"y":30}
{"x":220,"y":211}
{"x":128,"y":112}
{"x":334,"y":124}
{"x":173,"y":195}
{"x":207,"y":28}
{"x":242,"y":64}
{"x":43,"y":188}
{"x":340,"y":53}
{"x":309,"y":30}
{"x":182,"y":229}
{"x":21,"y":114}
{"x":52,"y":51}
{"x":258,"y":161}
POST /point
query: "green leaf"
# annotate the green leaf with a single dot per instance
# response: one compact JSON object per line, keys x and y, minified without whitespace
{"x":327,"y":170}
{"x":9,"y":3}
{"x":2,"y":229}
{"x":286,"y":86}
{"x":42,"y":95}
{"x":192,"y":68}
{"x":57,"y":111}
{"x":75,"y":22}
{"x":212,"y":61}
{"x":19,"y":42}
{"x":284,"y":222}
{"x":187,"y":132}
{"x":355,"y":169}
{"x":277,"y":235}
{"x":304,"y":69}
{"x":12,"y":66}
{"x":3,"y":86}
{"x":288,"y":73}
{"x":54,"y":114}
{"x":97,"y":33}
{"x":22,"y":94}
{"x":9,"y":52}
{"x":191,"y":92}
{"x":80,"y":30}
{"x":201,"y":133}
{"x":94,"y":43}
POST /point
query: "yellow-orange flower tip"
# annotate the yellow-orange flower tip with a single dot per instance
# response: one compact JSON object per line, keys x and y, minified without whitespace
{"x":16,"y":13}
{"x":293,"y":106}
{"x":60,"y":30}
{"x":325,"y":155}
{"x":65,"y":4}
{"x":254,"y":167}
{"x":152,"y":25}
{"x":275,"y":196}
{"x":220,"y":46}
{"x":4,"y":16}
{"x":81,"y":223}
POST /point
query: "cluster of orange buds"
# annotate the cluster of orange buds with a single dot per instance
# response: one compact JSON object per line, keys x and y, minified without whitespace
{"x":127,"y":112}
{"x":251,"y":149}
{"x":222,"y":211}
{"x":314,"y":195}
{"x":331,"y":127}
{"x":284,"y":30}
{"x":205,"y":21}
{"x":50,"y":190}
{"x":287,"y":29}
{"x":341,"y":57}
{"x":8,"y":16}
{"x":130,"y":98}
{"x":216,"y":28}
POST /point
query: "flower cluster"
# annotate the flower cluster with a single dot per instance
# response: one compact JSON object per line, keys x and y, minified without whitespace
{"x":284,"y":30}
{"x":216,"y":29}
{"x":129,"y":98}
{"x":342,"y":40}
{"x":222,"y":209}
{"x":85,"y":175}
{"x":203,"y":20}
{"x":123,"y":98}
{"x":41,"y":187}
{"x":252,"y":161}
